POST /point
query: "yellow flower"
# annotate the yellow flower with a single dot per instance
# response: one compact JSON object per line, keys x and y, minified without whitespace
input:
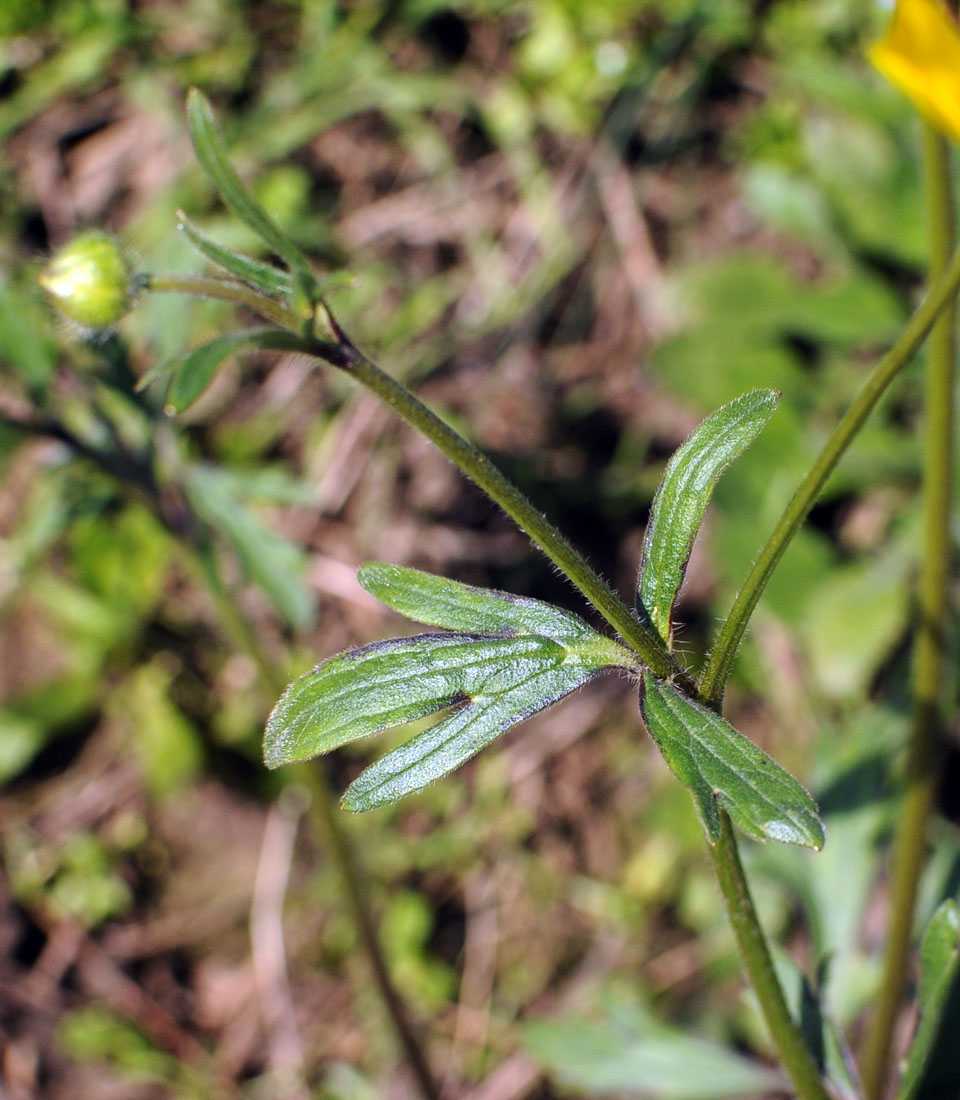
{"x":920,"y":54}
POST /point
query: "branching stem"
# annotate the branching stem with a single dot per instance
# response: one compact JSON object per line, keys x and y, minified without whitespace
{"x":139,"y":476}
{"x":344,"y":355}
{"x":750,"y":938}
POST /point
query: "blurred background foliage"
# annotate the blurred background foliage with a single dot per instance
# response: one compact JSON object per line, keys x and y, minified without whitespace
{"x":578,"y":227}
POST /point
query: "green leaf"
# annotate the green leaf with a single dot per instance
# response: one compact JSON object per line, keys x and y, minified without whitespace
{"x":190,"y":376}
{"x":939,"y":965}
{"x":267,"y":559}
{"x":265,"y":277}
{"x":195,"y":371}
{"x":682,"y":499}
{"x":519,"y":657}
{"x":646,"y":1059}
{"x":454,"y":606}
{"x":526,"y":676}
{"x":723,"y":769}
{"x":25,"y":336}
{"x":212,"y":154}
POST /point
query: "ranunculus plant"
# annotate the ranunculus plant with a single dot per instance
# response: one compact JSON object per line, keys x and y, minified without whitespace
{"x":490,"y":659}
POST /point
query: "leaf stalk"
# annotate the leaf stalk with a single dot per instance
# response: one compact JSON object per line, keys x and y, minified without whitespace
{"x":343,"y":354}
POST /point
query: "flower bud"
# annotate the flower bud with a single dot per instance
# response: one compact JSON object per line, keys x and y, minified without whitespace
{"x":89,"y":280}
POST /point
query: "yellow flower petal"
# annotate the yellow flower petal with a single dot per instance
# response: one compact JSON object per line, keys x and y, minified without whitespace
{"x":920,"y":54}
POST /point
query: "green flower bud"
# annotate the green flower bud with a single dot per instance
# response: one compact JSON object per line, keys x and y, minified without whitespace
{"x":89,"y":280}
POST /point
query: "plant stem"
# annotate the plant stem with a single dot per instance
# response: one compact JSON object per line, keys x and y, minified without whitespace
{"x":132,"y":471}
{"x":755,"y":954}
{"x":789,"y":1041}
{"x":200,"y":286}
{"x":923,"y":750}
{"x":337,"y":845}
{"x":328,"y":822}
{"x":940,"y":294}
{"x":344,"y":355}
{"x":533,"y":523}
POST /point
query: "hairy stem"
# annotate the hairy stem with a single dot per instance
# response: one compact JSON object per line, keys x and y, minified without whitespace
{"x":755,"y":954}
{"x":533,"y":523}
{"x":929,"y":683}
{"x":750,"y":938}
{"x":753,"y":947}
{"x":201,"y":286}
{"x":344,"y":355}
{"x":941,"y":293}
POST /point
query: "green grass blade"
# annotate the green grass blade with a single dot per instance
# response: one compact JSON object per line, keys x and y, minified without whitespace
{"x":718,"y":765}
{"x":265,"y":277}
{"x":212,"y":154}
{"x":682,"y":499}
{"x":939,"y":966}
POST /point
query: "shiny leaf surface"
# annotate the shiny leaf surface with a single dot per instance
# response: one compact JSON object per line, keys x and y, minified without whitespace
{"x":682,"y":499}
{"x":722,"y":768}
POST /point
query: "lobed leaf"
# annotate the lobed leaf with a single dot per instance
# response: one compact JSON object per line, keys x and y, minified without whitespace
{"x":455,"y":606}
{"x":722,"y":768}
{"x":496,"y":707}
{"x":682,"y":499}
{"x":939,"y":966}
{"x":212,"y":154}
{"x":265,"y":277}
{"x":503,"y":659}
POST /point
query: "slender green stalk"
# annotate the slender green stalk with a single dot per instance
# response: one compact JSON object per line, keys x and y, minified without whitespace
{"x":204,"y":286}
{"x":328,"y":822}
{"x":343,"y":354}
{"x":131,"y":470}
{"x":941,"y":292}
{"x":336,"y":844}
{"x":793,"y":1051}
{"x":533,"y":523}
{"x":797,"y":1060}
{"x":750,"y":938}
{"x":923,"y":751}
